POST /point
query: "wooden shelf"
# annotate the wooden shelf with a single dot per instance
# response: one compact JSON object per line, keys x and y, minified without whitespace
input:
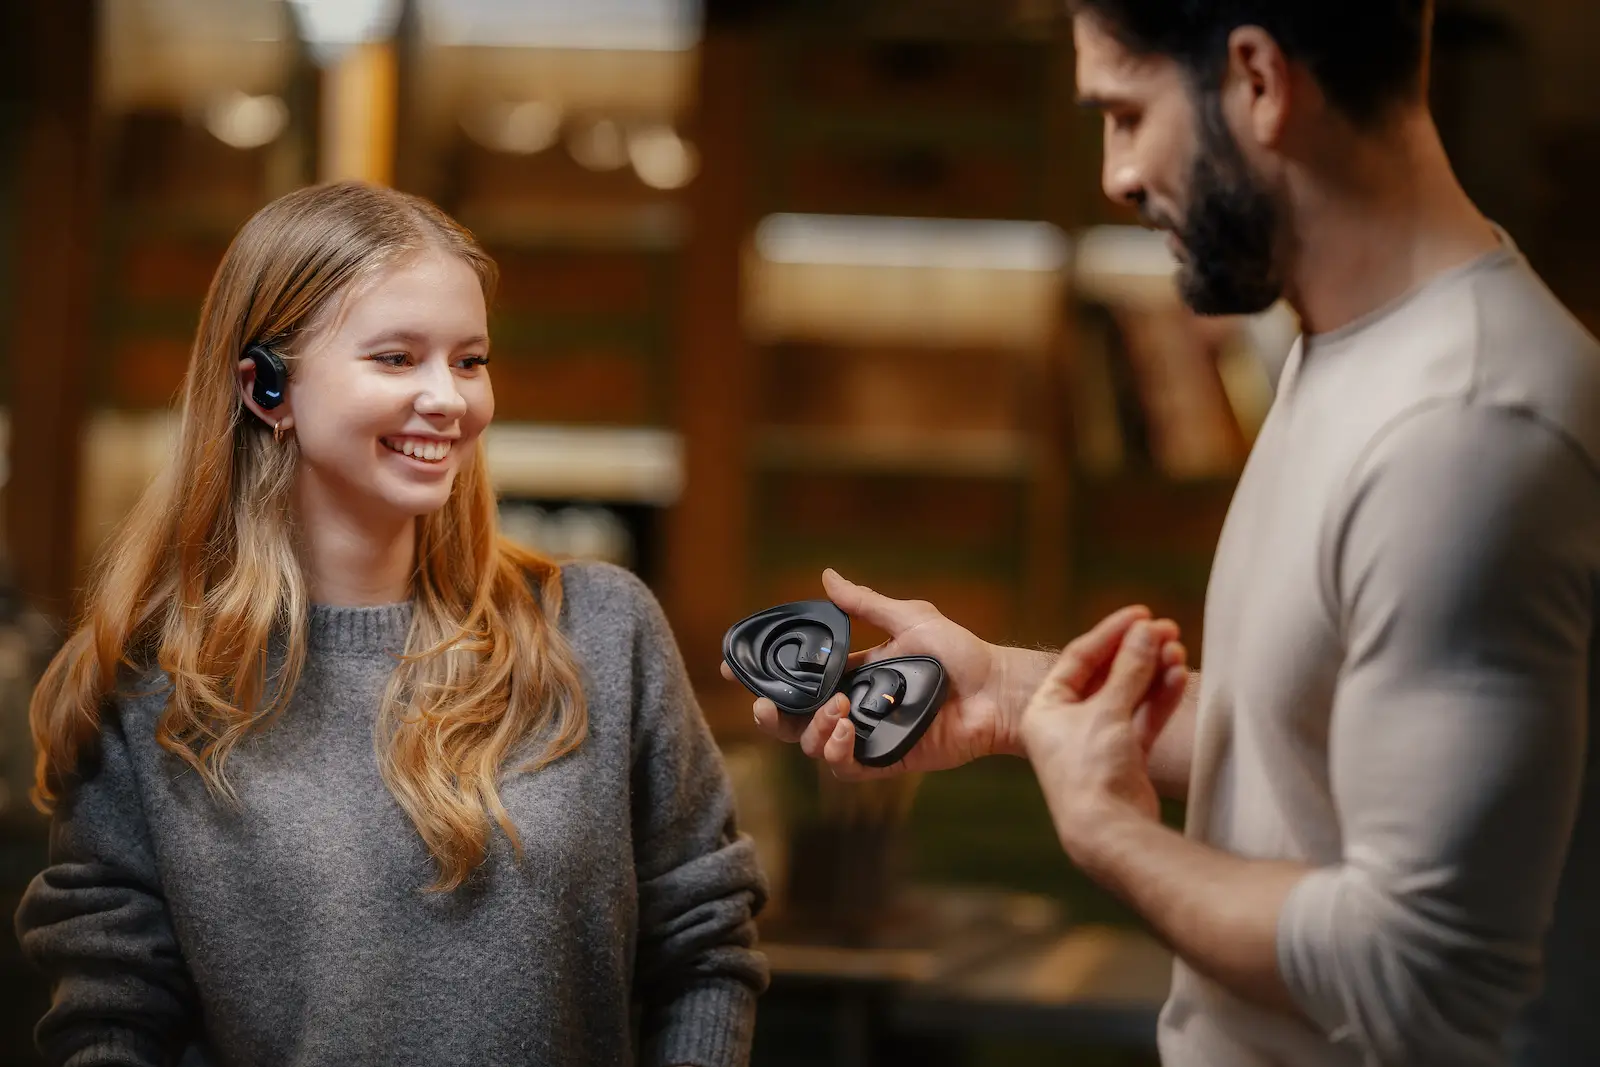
{"x":641,"y":228}
{"x":618,"y":465}
{"x":960,"y":455}
{"x":123,"y":451}
{"x":901,"y":127}
{"x":867,"y":551}
{"x":953,"y":492}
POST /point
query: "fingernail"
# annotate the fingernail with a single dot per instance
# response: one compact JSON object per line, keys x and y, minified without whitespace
{"x":1144,"y":638}
{"x":841,"y":731}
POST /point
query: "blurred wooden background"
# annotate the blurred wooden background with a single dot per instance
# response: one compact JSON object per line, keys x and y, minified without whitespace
{"x":706,"y":350}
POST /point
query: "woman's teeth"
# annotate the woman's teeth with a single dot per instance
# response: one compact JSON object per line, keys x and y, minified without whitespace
{"x":418,"y":448}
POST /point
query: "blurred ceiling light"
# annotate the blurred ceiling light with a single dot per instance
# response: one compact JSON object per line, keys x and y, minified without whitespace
{"x":244,"y":121}
{"x":661,"y":158}
{"x":332,"y":26}
{"x":963,"y":244}
{"x":600,"y":145}
{"x":182,"y":54}
{"x":641,"y":25}
{"x":520,"y":129}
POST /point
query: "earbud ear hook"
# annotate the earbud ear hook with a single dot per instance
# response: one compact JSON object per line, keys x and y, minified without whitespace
{"x":271,"y":376}
{"x":794,"y":654}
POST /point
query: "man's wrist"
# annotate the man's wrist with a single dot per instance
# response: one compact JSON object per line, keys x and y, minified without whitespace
{"x":1098,"y":833}
{"x":1021,"y":670}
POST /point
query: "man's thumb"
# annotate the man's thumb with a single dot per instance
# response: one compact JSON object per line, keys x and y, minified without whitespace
{"x":892,"y":616}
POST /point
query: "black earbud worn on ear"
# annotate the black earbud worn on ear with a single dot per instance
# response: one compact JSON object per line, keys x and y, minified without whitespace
{"x":795,"y":655}
{"x":270,"y":376}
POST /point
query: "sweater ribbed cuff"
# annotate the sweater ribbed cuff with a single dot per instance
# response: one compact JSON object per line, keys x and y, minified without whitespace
{"x":708,"y":1025}
{"x":114,"y":1048}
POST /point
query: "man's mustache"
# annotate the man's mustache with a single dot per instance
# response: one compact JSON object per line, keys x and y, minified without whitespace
{"x":1156,"y":220}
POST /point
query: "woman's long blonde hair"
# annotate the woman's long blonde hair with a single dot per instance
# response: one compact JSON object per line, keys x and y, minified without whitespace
{"x":204,"y":575}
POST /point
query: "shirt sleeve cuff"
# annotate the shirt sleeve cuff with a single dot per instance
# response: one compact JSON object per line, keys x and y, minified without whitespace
{"x":1306,"y":944}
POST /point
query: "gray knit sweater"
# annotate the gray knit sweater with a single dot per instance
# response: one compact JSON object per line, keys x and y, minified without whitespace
{"x":296,"y":929}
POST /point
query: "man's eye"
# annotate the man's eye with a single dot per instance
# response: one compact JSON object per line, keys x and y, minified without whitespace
{"x":1124,"y":121}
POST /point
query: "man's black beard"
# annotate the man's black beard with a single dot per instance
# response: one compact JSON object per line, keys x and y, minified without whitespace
{"x":1232,"y":233}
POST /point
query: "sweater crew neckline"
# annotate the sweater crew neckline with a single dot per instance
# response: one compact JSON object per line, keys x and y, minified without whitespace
{"x":382,"y":628}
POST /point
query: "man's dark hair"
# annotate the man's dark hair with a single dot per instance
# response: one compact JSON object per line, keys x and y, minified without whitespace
{"x":1365,"y":54}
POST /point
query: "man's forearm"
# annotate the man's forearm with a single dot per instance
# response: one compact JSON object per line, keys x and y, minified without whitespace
{"x":1172,"y":756}
{"x":1215,"y":910}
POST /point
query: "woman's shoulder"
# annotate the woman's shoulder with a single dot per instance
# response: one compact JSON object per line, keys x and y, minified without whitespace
{"x":605,"y":599}
{"x":595,"y":584}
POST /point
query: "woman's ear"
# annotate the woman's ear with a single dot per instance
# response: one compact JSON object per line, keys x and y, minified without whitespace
{"x":247,"y":380}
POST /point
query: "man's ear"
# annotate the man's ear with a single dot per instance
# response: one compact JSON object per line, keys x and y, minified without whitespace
{"x":1259,"y":86}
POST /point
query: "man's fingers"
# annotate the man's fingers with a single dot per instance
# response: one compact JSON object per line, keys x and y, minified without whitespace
{"x":1166,"y":696}
{"x":827,"y":736}
{"x":769,"y":720}
{"x":1087,"y":657}
{"x":1173,"y":651}
{"x":840,"y":749}
{"x":840,"y":754}
{"x":822,"y":724}
{"x":774,"y":723}
{"x":893,"y":616}
{"x":1081,"y":686}
{"x":1138,"y":659}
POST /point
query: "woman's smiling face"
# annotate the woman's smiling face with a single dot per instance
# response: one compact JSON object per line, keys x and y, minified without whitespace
{"x":388,"y":401}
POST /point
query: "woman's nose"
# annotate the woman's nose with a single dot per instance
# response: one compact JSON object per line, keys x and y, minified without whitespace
{"x":440,"y":396}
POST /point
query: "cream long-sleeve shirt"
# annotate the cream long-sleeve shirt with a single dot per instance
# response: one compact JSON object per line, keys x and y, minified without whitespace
{"x":1397,"y":690}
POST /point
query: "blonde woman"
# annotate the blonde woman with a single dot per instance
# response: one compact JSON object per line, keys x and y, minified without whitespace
{"x":339,"y":775}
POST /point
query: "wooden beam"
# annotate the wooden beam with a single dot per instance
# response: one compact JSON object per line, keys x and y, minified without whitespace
{"x":50,"y":334}
{"x":358,"y":115}
{"x":705,"y":567}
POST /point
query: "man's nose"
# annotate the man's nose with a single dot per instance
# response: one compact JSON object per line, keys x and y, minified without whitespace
{"x":1121,"y":178}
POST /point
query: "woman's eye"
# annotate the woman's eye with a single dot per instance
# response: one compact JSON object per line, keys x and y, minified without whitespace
{"x":393,"y":359}
{"x":472,"y":362}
